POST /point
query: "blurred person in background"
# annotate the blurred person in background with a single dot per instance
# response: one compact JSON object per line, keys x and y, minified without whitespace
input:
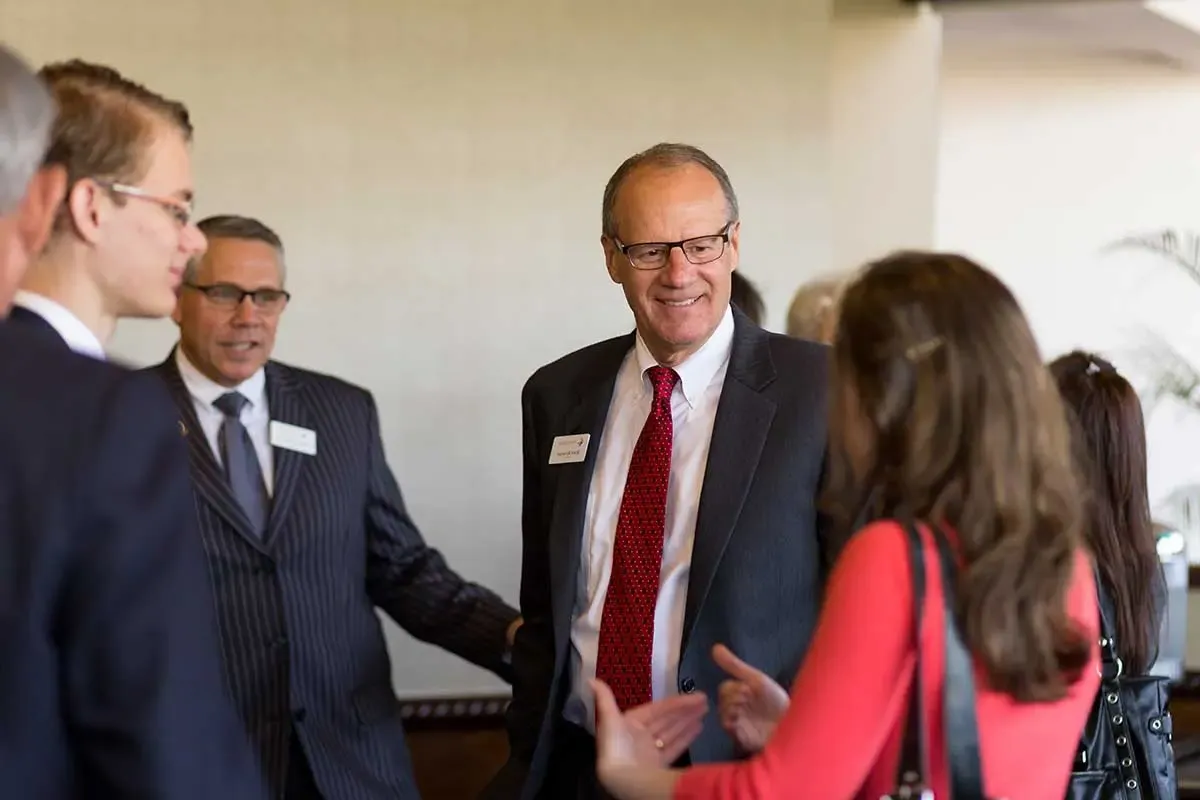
{"x":813,"y":311}
{"x":744,"y":295}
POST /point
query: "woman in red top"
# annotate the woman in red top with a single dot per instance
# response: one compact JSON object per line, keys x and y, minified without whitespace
{"x":942,"y":410}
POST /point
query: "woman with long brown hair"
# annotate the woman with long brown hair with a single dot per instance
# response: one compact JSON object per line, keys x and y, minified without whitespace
{"x":1106,"y":416}
{"x":944,"y":415}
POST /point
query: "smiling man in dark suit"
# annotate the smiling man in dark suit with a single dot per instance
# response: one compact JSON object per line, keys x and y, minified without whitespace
{"x":307,"y":535}
{"x":688,"y":518}
{"x":110,"y":676}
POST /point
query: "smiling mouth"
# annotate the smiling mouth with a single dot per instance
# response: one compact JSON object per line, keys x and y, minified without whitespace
{"x":680,"y":303}
{"x":240,"y":347}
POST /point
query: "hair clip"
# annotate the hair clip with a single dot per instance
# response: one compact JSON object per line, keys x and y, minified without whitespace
{"x":920,"y":351}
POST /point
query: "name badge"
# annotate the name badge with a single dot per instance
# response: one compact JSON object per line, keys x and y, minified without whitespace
{"x":569,"y":449}
{"x":293,"y":437}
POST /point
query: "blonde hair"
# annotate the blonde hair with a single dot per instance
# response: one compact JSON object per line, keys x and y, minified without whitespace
{"x":813,"y":312}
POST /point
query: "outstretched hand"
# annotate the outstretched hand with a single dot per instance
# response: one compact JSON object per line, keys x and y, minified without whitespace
{"x":650,"y":735}
{"x":749,"y":703}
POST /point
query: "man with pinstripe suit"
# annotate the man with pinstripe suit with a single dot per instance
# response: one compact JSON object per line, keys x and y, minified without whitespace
{"x":306,"y":534}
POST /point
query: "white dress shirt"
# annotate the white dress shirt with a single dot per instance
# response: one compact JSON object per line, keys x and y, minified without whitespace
{"x":79,"y":337}
{"x":255,"y":414}
{"x":693,"y":410}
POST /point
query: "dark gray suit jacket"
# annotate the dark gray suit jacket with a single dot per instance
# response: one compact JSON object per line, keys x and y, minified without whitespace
{"x":110,"y":671}
{"x":302,"y":644}
{"x":759,"y":557}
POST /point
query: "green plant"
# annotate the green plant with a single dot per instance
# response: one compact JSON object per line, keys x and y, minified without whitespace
{"x":1172,"y":374}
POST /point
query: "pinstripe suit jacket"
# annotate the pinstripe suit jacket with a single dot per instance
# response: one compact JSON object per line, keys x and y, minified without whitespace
{"x":761,"y":548}
{"x":302,"y":644}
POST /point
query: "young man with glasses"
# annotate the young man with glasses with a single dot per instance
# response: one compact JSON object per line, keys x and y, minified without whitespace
{"x":670,"y":490}
{"x":307,"y":534}
{"x":110,"y":675}
{"x":123,"y":234}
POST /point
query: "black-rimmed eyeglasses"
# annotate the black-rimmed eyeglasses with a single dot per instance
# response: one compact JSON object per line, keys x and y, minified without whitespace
{"x":227,"y":295}
{"x":698,"y":250}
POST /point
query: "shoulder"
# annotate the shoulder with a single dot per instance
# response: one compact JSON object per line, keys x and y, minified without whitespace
{"x":319,"y":383}
{"x":54,"y":383}
{"x":882,"y":542}
{"x":599,"y":359}
{"x":799,"y":358}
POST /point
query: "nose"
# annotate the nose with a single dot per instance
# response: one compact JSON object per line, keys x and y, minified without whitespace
{"x":192,"y":241}
{"x":678,"y":271}
{"x":246,"y":312}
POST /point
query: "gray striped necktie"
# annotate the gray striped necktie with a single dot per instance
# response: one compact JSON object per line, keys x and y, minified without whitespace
{"x":241,"y":464}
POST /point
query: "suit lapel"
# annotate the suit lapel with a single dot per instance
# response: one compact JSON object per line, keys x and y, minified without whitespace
{"x":207,"y":476}
{"x":593,"y":394}
{"x":743,"y":420}
{"x":286,"y":405}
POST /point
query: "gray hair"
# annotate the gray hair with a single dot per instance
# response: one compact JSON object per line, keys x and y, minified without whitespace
{"x":26,"y":116}
{"x":665,"y":155}
{"x":233,"y":226}
{"x":814,"y":308}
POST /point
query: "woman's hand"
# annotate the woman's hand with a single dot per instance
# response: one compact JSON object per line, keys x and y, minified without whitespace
{"x":635,"y":748}
{"x":749,"y":704}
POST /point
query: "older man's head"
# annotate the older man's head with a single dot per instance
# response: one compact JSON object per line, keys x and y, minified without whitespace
{"x":29,"y":193}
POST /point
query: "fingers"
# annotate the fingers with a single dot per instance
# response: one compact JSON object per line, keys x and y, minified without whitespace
{"x":677,"y":734}
{"x":733,"y":665}
{"x":606,"y":704}
{"x":680,"y":741}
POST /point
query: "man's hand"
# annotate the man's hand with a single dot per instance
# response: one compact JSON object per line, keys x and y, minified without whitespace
{"x":510,"y":635}
{"x":749,"y":704}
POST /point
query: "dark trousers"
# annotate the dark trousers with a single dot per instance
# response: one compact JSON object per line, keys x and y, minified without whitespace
{"x":572,"y":771}
{"x":300,"y":782}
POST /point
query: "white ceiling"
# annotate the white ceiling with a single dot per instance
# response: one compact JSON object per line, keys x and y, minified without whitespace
{"x":1126,"y":28}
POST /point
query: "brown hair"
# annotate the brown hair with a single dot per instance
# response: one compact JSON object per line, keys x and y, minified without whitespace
{"x":944,"y":412}
{"x":105,"y":123}
{"x":1111,"y":445}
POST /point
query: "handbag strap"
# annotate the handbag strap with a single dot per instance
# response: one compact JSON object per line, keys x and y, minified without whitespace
{"x":1111,"y":703}
{"x":958,"y":696}
{"x":911,"y":777}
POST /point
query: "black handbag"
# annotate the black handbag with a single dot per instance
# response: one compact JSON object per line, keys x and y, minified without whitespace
{"x":958,"y":693}
{"x":1125,"y":752}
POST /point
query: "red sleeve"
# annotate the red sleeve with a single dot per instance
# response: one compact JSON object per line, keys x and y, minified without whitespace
{"x":850,"y":691}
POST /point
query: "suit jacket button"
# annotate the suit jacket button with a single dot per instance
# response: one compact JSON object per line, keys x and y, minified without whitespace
{"x":299,"y":714}
{"x":687,"y":686}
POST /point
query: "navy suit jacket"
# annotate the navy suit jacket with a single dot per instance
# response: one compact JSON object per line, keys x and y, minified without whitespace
{"x":110,"y":676}
{"x":761,"y":548}
{"x":304,"y":648}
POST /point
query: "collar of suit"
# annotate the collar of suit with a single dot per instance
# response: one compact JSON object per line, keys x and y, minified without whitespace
{"x":286,"y":405}
{"x":35,"y":308}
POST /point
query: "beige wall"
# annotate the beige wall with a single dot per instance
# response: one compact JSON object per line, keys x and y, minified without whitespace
{"x":436,"y":169}
{"x":1044,"y":160}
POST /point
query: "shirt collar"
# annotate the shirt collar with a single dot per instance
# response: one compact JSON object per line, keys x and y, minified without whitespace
{"x":206,"y":390}
{"x":696,"y":371}
{"x":79,"y":337}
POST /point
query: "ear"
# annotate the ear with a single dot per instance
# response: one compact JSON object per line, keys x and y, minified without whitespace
{"x":88,"y":207}
{"x":37,"y":212}
{"x":611,"y":254}
{"x":735,"y":243}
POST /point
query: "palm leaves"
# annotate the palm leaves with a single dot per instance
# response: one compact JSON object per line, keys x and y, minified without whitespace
{"x":1173,"y":375}
{"x":1180,"y":248}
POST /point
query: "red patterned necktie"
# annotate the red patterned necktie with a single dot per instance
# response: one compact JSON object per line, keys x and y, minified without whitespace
{"x":627,"y":624}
